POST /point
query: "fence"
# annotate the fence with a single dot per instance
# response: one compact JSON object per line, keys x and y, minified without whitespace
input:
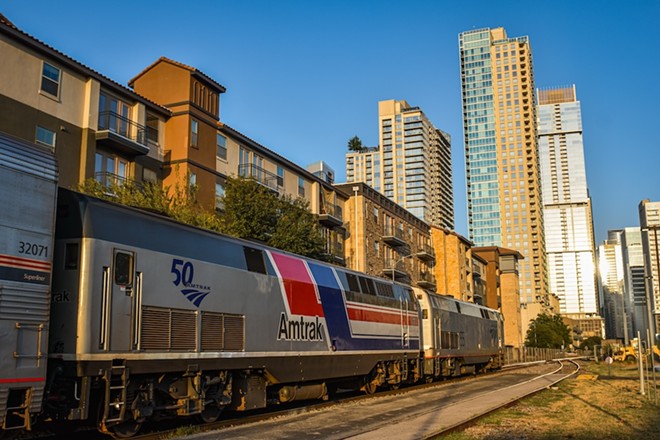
{"x":515,"y":355}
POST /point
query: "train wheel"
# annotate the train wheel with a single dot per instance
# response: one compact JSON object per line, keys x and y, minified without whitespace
{"x":210,"y":414}
{"x":125,"y":429}
{"x":369,"y":388}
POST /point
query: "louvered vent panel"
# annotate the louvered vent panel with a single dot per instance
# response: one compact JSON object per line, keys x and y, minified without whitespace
{"x":184,"y":330}
{"x":234,"y":333}
{"x":212,"y":332}
{"x":155,"y":333}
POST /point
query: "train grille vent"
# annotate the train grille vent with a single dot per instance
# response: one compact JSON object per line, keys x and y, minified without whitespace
{"x":26,"y":305}
{"x":222,"y":332}
{"x":167,"y":329}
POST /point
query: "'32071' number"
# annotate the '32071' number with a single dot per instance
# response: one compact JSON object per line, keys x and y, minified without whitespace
{"x":37,"y":250}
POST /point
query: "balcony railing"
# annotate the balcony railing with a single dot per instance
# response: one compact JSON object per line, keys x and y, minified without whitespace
{"x":123,"y":126}
{"x":395,"y":269}
{"x":426,"y":253}
{"x":109,"y":180}
{"x":426,"y":280}
{"x":331,"y":215}
{"x":266,"y":178}
{"x":394,"y":237}
{"x":122,"y":133}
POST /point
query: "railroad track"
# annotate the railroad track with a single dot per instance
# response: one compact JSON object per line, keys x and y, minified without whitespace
{"x":274,"y":422}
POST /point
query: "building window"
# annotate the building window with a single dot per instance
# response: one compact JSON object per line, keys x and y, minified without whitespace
{"x":192,"y":180}
{"x":221,"y":146}
{"x":219,"y":196}
{"x":376,"y":215}
{"x":280,"y":176}
{"x":115,"y":115}
{"x":110,"y":169}
{"x":301,"y":187}
{"x":194,"y":132}
{"x":50,"y":80}
{"x":45,"y":137}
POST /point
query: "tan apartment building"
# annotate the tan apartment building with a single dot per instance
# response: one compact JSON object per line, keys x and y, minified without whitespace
{"x":97,"y":127}
{"x":501,"y":152}
{"x":192,"y":132}
{"x":453,"y":267}
{"x":502,"y":288}
{"x":384,"y":239}
{"x":203,"y":151}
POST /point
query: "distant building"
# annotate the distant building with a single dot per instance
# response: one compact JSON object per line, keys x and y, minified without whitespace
{"x":501,"y":151}
{"x":649,"y":221}
{"x":503,"y":289}
{"x":610,"y":267}
{"x":567,"y":215}
{"x":583,"y":326}
{"x":411,"y":166}
{"x":634,"y":283}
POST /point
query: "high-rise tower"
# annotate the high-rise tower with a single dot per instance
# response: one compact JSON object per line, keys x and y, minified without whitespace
{"x":567,"y":215}
{"x":501,"y":153}
{"x":411,"y":165}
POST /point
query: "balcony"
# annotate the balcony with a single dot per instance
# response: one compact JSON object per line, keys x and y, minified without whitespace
{"x":394,"y":237}
{"x":331,"y":216}
{"x":263,"y":177}
{"x":334,"y":254}
{"x":395,"y":273}
{"x":426,"y":280}
{"x":426,"y":253}
{"x":121,"y":134}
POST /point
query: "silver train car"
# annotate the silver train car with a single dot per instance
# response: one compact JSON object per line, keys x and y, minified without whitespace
{"x":459,"y":337}
{"x":28,"y":189}
{"x":151,"y":319}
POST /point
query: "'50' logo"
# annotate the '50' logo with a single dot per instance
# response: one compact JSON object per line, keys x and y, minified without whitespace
{"x":184,"y":272}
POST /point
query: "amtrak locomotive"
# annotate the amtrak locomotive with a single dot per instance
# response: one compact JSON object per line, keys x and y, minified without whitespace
{"x":150,"y":319}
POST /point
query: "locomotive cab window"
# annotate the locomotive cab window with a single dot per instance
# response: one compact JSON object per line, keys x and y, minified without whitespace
{"x":254,"y":258}
{"x":123,"y":268}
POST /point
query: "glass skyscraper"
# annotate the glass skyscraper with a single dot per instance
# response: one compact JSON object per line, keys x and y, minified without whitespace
{"x":567,"y":214}
{"x":501,"y":152}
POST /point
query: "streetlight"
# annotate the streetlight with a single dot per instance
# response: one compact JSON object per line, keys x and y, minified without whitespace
{"x":393,"y":268}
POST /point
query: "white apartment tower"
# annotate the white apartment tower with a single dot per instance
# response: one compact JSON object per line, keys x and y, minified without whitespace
{"x":411,"y":165}
{"x":567,"y":214}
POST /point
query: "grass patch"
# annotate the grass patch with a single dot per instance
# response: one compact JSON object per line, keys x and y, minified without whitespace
{"x":609,"y":407}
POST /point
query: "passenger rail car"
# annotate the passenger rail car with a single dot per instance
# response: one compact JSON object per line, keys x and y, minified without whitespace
{"x":151,"y":318}
{"x":28,"y":187}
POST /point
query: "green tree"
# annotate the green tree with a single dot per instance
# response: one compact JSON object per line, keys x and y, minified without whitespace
{"x":251,"y":209}
{"x":180,"y":204}
{"x":355,"y":144}
{"x":590,"y":342}
{"x":254,"y":212}
{"x":548,"y":331}
{"x":297,"y":229}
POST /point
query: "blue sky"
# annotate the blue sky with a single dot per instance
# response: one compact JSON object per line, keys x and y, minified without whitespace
{"x":303,"y":77}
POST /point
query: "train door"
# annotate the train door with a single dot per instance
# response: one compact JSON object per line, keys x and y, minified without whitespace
{"x":405,"y":323}
{"x":121,"y":303}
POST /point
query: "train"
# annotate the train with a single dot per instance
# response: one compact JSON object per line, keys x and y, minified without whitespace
{"x":115,"y":316}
